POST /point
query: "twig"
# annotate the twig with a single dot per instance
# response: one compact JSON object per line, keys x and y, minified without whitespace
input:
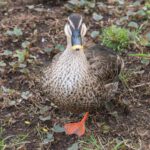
{"x":142,"y":84}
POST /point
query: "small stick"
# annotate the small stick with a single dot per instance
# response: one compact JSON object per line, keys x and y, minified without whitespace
{"x":142,"y":84}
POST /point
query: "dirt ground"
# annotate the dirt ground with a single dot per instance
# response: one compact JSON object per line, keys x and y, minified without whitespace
{"x":29,"y":121}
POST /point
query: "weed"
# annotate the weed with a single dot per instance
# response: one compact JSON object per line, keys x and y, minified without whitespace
{"x":44,"y":135}
{"x":2,"y":144}
{"x":91,"y":143}
{"x":2,"y":141}
{"x":15,"y":32}
{"x":116,"y":38}
{"x":119,"y":144}
{"x":145,"y":58}
{"x":16,"y":140}
{"x":125,"y":77}
{"x":96,"y":143}
{"x":21,"y":55}
{"x":119,"y":38}
{"x":20,"y":138}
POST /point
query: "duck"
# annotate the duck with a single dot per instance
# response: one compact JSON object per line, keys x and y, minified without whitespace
{"x":81,"y":79}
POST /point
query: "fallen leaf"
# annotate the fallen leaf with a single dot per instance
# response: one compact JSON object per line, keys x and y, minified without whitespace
{"x":12,"y":103}
{"x":97,"y":17}
{"x":74,"y":146}
{"x":133,"y":24}
{"x":140,"y":14}
{"x":94,"y":34}
{"x":48,"y":49}
{"x":26,"y":95}
{"x":58,"y":129}
{"x":25,"y":44}
{"x":6,"y":53}
{"x":49,"y":138}
{"x":2,"y":64}
{"x":60,"y":47}
{"x":45,"y":118}
{"x":16,"y":31}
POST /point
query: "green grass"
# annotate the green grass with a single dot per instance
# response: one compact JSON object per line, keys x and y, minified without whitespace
{"x":91,"y":143}
{"x":116,"y":38}
{"x":125,"y":77}
{"x":119,"y":39}
{"x":96,"y":143}
{"x":2,"y":144}
{"x":2,"y":141}
{"x":145,"y":58}
{"x":19,"y":139}
{"x":14,"y":141}
{"x":142,"y":55}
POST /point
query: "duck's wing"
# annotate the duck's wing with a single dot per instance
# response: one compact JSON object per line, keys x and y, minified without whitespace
{"x":104,"y":63}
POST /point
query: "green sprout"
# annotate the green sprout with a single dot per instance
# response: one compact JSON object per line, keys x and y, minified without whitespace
{"x":116,"y":38}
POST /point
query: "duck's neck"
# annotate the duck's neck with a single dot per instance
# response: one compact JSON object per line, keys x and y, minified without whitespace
{"x":73,"y":63}
{"x":71,"y":70}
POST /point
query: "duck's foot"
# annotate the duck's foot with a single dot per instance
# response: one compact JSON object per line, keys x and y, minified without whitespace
{"x":76,"y":128}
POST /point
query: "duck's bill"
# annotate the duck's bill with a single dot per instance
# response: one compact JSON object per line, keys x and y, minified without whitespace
{"x":75,"y":47}
{"x":76,"y":40}
{"x":76,"y":43}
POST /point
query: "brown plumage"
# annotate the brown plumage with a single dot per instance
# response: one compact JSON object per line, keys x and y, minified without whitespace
{"x":81,"y":79}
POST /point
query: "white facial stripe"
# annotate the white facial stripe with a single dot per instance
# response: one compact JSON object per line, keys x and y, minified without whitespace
{"x":80,"y":23}
{"x":83,"y":30}
{"x":71,"y":23}
{"x":67,"y":30}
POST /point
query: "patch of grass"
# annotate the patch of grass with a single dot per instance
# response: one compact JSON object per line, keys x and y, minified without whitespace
{"x":116,"y":38}
{"x":96,"y":143}
{"x":145,"y":58}
{"x":20,"y":139}
{"x":2,"y":144}
{"x":120,"y":144}
{"x":125,"y":77}
{"x":91,"y":143}
{"x":2,"y":141}
{"x":45,"y":136}
{"x":141,"y":55}
{"x":16,"y":140}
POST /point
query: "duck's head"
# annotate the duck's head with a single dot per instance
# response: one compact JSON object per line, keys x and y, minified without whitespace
{"x":75,"y":31}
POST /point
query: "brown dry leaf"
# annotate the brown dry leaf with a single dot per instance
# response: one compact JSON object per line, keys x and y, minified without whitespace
{"x":111,"y":1}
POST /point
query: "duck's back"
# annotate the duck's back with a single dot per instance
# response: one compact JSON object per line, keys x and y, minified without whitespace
{"x":104,"y":63}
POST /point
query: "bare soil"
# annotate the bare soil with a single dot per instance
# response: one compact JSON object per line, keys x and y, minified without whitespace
{"x":128,"y":116}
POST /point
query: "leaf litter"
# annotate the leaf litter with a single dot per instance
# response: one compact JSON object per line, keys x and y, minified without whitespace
{"x":23,"y":108}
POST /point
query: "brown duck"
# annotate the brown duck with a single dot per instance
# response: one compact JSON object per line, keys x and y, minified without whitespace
{"x":78,"y":79}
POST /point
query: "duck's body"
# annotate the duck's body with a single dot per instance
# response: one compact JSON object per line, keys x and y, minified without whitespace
{"x":77,"y":80}
{"x":81,"y":79}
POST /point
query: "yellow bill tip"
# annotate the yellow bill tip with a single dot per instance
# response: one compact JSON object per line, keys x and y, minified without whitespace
{"x":77,"y":47}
